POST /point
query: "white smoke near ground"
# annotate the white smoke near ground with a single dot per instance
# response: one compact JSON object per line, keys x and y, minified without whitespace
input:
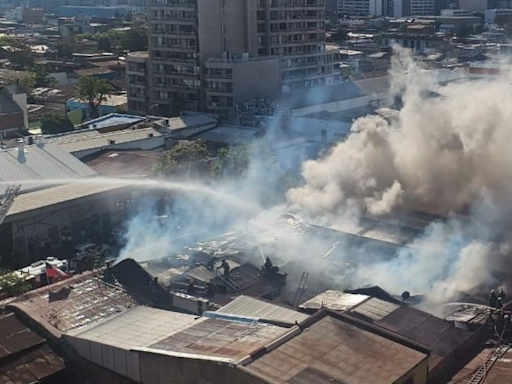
{"x":448,"y":152}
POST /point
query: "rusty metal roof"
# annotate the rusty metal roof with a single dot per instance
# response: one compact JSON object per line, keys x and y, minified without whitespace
{"x":499,"y":373}
{"x":88,"y":301}
{"x":24,"y":356}
{"x":259,"y":309}
{"x":334,"y":300}
{"x":374,"y":309}
{"x":221,"y":339}
{"x":332,"y":350}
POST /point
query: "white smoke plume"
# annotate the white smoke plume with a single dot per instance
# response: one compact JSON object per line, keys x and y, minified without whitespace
{"x":444,"y":154}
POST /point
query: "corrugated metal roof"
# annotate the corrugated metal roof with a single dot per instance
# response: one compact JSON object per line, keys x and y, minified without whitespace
{"x":88,"y":301}
{"x":332,"y":350}
{"x":221,"y":338}
{"x":25,"y":356}
{"x":46,"y":197}
{"x":375,"y":309}
{"x":47,"y":162}
{"x":334,"y":300}
{"x":259,"y":309}
{"x":188,"y":121}
{"x":75,"y":143}
{"x":137,"y":327}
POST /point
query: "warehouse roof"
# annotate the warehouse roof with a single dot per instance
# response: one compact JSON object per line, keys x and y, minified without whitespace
{"x":336,"y":350}
{"x":188,"y":121}
{"x":50,"y":196}
{"x":250,"y":307}
{"x":40,"y":162}
{"x":74,"y":303}
{"x":334,"y":300}
{"x":124,"y":330}
{"x":24,"y":355}
{"x":83,"y":141}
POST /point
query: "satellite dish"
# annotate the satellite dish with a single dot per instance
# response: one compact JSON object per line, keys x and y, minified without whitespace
{"x":406,"y":295}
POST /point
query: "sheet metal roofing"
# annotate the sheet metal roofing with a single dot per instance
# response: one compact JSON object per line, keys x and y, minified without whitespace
{"x":93,"y":139}
{"x":215,"y":338}
{"x":47,"y":197}
{"x":74,"y":303}
{"x":334,"y":300}
{"x":187,"y":121}
{"x":259,"y":309}
{"x":112,"y":120}
{"x":24,"y":356}
{"x":136,"y":328}
{"x":46,"y":162}
{"x":335,"y":351}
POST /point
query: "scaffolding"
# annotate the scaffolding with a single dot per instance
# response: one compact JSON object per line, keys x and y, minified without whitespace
{"x":7,"y":199}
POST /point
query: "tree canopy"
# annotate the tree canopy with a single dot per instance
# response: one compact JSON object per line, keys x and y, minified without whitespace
{"x":186,"y":159}
{"x":93,"y":91}
{"x":25,"y":79}
{"x":56,"y":123}
{"x":12,"y":284}
{"x":134,"y":39}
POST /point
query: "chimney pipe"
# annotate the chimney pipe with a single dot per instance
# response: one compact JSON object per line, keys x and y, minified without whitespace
{"x":21,"y":147}
{"x":40,"y":141}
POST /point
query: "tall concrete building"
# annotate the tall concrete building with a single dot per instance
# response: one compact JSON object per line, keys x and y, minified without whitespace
{"x":209,"y":55}
{"x":363,"y":7}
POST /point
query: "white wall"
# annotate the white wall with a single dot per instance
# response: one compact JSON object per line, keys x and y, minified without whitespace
{"x":144,"y":145}
{"x":312,"y":129}
{"x":339,"y":106}
{"x":21,"y":100}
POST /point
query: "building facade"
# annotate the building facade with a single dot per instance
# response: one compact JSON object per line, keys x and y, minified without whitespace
{"x":247,"y":35}
{"x":136,"y":81}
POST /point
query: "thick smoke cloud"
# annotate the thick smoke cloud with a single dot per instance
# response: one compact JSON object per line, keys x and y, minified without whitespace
{"x":447,"y":152}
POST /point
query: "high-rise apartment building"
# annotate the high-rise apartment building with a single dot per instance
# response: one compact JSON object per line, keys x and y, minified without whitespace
{"x":197,"y":49}
{"x":363,"y":7}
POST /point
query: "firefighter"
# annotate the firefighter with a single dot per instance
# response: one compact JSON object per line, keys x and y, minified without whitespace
{"x":267,"y":267}
{"x":493,"y":299}
{"x":499,"y":304}
{"x":501,"y":293}
{"x":191,"y":289}
{"x":209,"y":290}
{"x":225,"y":267}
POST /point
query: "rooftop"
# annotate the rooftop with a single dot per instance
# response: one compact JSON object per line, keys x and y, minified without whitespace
{"x":332,"y":349}
{"x":40,"y":162}
{"x":51,"y":196}
{"x":187,"y":121}
{"x":229,"y":134}
{"x":111,"y":100}
{"x":124,"y":330}
{"x":112,"y":120}
{"x":24,"y":355}
{"x":60,"y":94}
{"x":334,"y":300}
{"x":73,"y":304}
{"x":93,"y":139}
{"x":247,"y":306}
{"x":93,"y":71}
{"x":123,"y":163}
{"x":499,"y":373}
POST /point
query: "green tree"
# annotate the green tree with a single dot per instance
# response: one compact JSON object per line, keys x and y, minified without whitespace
{"x":93,"y":91}
{"x":13,"y":284}
{"x":25,"y":79}
{"x":53,"y":123}
{"x":42,"y":78}
{"x":135,"y":39}
{"x":233,"y":161}
{"x":463,"y":32}
{"x":21,"y":57}
{"x":185,"y":159}
{"x":6,"y":41}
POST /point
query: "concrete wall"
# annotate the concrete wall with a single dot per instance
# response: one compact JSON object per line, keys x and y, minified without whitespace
{"x":158,"y":369}
{"x":339,"y":106}
{"x":143,"y":145}
{"x":121,"y":361}
{"x":259,"y":78}
{"x":419,"y":374}
{"x":21,"y":100}
{"x":321,"y":130}
{"x":231,"y":28}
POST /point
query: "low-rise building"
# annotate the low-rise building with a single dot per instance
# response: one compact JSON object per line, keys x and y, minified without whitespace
{"x":13,"y":109}
{"x":111,"y":104}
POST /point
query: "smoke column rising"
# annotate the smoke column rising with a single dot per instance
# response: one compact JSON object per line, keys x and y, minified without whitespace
{"x":445,"y":154}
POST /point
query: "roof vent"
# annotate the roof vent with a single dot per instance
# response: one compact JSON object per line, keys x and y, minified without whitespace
{"x":111,"y":142}
{"x":151,"y":134}
{"x":21,"y":147}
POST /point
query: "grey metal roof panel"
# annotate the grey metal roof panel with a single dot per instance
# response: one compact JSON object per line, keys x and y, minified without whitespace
{"x":251,"y":307}
{"x":334,"y":300}
{"x":375,"y":309}
{"x":48,"y":162}
{"x":75,"y":144}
